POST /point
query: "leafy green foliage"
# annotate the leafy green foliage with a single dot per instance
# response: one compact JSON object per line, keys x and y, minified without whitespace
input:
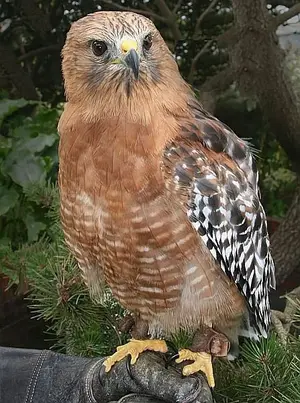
{"x":266,"y":372}
{"x":28,"y":157}
{"x":8,"y":199}
{"x":17,"y":264}
{"x":9,"y":106}
{"x":278,"y":181}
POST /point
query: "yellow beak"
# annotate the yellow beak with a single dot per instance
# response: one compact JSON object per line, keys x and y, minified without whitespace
{"x":131,"y":57}
{"x":128,"y":44}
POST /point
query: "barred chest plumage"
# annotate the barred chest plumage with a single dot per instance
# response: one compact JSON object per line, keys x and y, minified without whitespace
{"x":141,"y":248}
{"x":149,"y":255}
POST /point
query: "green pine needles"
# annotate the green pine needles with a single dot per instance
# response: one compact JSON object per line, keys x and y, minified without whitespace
{"x":265,"y":372}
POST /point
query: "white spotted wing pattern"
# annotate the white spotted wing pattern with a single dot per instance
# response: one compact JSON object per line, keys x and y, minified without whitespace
{"x":218,"y":170}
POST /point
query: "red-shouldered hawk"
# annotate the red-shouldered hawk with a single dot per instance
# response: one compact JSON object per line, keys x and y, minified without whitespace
{"x":159,"y":199}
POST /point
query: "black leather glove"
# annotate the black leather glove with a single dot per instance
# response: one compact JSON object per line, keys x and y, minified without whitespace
{"x":34,"y":376}
{"x":147,"y":381}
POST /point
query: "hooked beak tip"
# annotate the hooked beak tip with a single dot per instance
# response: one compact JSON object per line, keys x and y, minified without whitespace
{"x":132,"y":60}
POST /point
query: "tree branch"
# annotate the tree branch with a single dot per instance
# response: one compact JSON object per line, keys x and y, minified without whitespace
{"x":283,"y":17}
{"x":219,"y":82}
{"x":177,"y":6}
{"x":225,"y":39}
{"x":170,"y":18}
{"x":35,"y":52}
{"x":195,"y":60}
{"x":282,"y":321}
{"x":38,"y":18}
{"x":215,"y":85}
{"x":285,"y":241}
{"x":203,"y":15}
{"x":258,"y":62}
{"x":286,"y":3}
{"x":147,"y":13}
{"x":20,"y":79}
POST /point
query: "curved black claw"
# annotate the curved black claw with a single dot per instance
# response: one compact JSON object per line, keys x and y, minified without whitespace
{"x":128,"y":366}
{"x":169,"y":360}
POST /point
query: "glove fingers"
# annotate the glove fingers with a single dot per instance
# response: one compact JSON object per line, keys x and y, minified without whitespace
{"x":167,"y":384}
{"x":149,"y":377}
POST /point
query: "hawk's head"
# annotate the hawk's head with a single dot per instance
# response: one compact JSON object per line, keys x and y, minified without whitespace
{"x":114,"y":51}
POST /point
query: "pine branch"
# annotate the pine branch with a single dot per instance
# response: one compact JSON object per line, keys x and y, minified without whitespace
{"x":266,"y":372}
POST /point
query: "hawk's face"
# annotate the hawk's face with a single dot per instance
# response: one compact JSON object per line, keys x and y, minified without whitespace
{"x":114,"y":51}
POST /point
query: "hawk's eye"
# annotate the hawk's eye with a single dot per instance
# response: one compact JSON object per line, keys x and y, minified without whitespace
{"x":147,"y":42}
{"x":99,"y":48}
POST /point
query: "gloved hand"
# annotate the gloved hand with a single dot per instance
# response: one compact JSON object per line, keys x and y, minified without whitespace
{"x":148,"y":381}
{"x":43,"y":376}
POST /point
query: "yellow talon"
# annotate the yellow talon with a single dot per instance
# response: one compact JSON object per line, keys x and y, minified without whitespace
{"x":202,"y":362}
{"x":134,"y":348}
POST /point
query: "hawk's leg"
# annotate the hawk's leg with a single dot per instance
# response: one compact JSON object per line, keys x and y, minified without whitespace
{"x":206,"y":344}
{"x":137,"y":327}
{"x":139,"y":343}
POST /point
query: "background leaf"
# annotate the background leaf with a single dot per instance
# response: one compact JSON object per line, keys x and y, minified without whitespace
{"x":33,"y":227}
{"x":8,"y":199}
{"x":9,"y":106}
{"x":26,"y":169}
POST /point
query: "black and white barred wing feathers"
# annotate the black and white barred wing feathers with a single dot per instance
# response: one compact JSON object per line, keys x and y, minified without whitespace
{"x":225,"y":209}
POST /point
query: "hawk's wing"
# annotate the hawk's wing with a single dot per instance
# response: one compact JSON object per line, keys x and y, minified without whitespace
{"x":224,"y":207}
